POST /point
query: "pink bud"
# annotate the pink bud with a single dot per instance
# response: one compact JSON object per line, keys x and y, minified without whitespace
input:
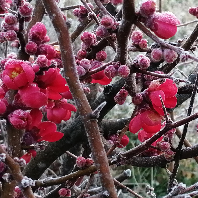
{"x":26,"y":9}
{"x":101,"y":31}
{"x":143,"y":61}
{"x":147,"y":8}
{"x":156,"y":54}
{"x":110,"y":71}
{"x":170,"y":55}
{"x":121,"y":96}
{"x":137,"y":99}
{"x":31,"y":48}
{"x":80,"y":162}
{"x":136,"y":36}
{"x":101,"y":55}
{"x":123,"y":71}
{"x":10,"y":19}
{"x":143,"y":44}
{"x":10,"y":35}
{"x":107,"y":21}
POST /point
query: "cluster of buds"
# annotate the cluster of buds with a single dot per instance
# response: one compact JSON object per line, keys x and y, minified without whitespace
{"x":116,"y":69}
{"x":142,"y":62}
{"x":64,"y":192}
{"x":82,"y":11}
{"x":137,"y":39}
{"x":82,"y":162}
{"x":107,"y":26}
{"x":168,"y":55}
{"x":164,"y":24}
{"x":10,"y":25}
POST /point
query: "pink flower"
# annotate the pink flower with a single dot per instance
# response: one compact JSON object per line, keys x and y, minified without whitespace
{"x":54,"y":83}
{"x":61,"y":110}
{"x":20,"y":119}
{"x":17,"y":74}
{"x":32,"y":96}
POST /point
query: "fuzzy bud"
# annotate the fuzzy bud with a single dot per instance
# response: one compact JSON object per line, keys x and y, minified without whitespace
{"x":123,"y":71}
{"x":80,"y":162}
{"x":170,"y":55}
{"x":121,"y":96}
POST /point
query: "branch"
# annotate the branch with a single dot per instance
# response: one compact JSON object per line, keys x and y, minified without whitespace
{"x":128,"y":18}
{"x":16,"y":173}
{"x":83,"y":106}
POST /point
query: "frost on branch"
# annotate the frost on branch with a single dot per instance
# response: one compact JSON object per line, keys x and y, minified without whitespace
{"x":2,"y":157}
{"x":25,"y":182}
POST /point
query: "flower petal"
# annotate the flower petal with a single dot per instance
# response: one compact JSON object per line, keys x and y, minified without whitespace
{"x":135,"y":124}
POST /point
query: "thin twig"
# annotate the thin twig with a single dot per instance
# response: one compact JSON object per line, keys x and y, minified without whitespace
{"x":128,"y":189}
{"x":177,"y":156}
{"x":70,"y":7}
{"x":187,"y":23}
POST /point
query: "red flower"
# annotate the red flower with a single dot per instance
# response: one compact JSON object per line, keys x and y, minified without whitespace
{"x":123,"y":142}
{"x":17,"y":74}
{"x":32,"y":96}
{"x":167,"y":91}
{"x":61,"y":110}
{"x":100,"y":76}
{"x":143,"y":136}
{"x":148,"y":120}
{"x":27,"y":157}
{"x":54,"y":83}
{"x":43,"y":130}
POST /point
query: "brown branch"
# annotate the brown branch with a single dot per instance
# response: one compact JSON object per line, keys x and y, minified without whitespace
{"x":191,"y":39}
{"x":16,"y":173}
{"x":128,"y":18}
{"x":8,"y":189}
{"x":82,"y":26}
{"x":70,"y":7}
{"x":83,"y":106}
{"x":60,"y":180}
{"x":128,"y":189}
{"x":153,"y":161}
